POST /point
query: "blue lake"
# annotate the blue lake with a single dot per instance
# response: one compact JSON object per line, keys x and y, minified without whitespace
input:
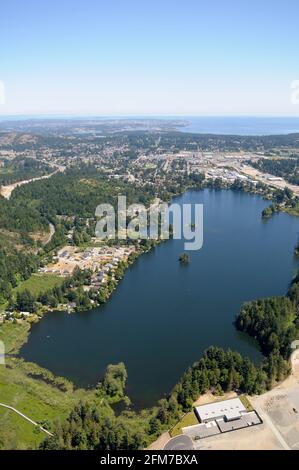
{"x":163,"y":315}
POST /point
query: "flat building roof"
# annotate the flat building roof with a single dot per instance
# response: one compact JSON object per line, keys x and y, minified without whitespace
{"x":228,"y":409}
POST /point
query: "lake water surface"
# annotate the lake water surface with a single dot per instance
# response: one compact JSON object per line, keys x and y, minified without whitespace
{"x":163,"y":315}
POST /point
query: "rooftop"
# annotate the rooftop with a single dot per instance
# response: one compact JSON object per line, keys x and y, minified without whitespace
{"x":230,"y":409}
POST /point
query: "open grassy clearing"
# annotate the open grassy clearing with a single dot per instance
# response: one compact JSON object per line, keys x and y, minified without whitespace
{"x":39,"y":283}
{"x":40,"y":401}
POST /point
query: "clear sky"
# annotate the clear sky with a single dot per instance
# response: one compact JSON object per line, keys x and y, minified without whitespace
{"x":188,"y":57}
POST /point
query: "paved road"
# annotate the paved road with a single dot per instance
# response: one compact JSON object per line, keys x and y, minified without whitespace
{"x":179,"y":443}
{"x":26,"y":417}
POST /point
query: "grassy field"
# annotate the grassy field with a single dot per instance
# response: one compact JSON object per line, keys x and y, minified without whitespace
{"x":35,"y":398}
{"x":27,"y":387}
{"x":39,"y":283}
{"x":16,"y":436}
{"x":13,"y":336}
{"x":33,"y":391}
{"x":188,"y":419}
{"x":36,"y":284}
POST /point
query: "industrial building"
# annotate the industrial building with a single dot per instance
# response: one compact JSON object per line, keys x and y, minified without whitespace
{"x":228,"y":410}
{"x":220,"y":417}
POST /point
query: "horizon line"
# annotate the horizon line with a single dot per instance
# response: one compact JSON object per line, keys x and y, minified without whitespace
{"x":147,"y":116}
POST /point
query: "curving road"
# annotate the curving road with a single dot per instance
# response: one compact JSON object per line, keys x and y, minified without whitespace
{"x":6,"y":191}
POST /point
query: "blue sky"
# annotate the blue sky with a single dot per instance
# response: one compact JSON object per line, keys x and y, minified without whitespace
{"x":188,"y":57}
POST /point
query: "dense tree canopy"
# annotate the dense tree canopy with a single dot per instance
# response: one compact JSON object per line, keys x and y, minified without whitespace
{"x":20,"y":169}
{"x":273,"y":322}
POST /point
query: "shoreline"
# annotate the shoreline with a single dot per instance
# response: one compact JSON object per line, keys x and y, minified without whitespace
{"x":139,"y":252}
{"x":86,"y":390}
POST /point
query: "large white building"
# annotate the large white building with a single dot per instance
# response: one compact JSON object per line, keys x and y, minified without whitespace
{"x":227,"y":410}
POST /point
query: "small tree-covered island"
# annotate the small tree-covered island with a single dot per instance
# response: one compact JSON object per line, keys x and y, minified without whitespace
{"x":184,"y":258}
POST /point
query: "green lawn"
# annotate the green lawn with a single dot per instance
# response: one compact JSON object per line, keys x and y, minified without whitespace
{"x":13,"y":335}
{"x":17,"y":435}
{"x":39,"y":283}
{"x":188,"y":419}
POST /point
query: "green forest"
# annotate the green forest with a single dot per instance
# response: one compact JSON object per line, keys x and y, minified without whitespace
{"x":18,"y":169}
{"x":274,"y":322}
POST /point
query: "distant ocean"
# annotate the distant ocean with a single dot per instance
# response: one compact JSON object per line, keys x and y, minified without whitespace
{"x":242,"y":125}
